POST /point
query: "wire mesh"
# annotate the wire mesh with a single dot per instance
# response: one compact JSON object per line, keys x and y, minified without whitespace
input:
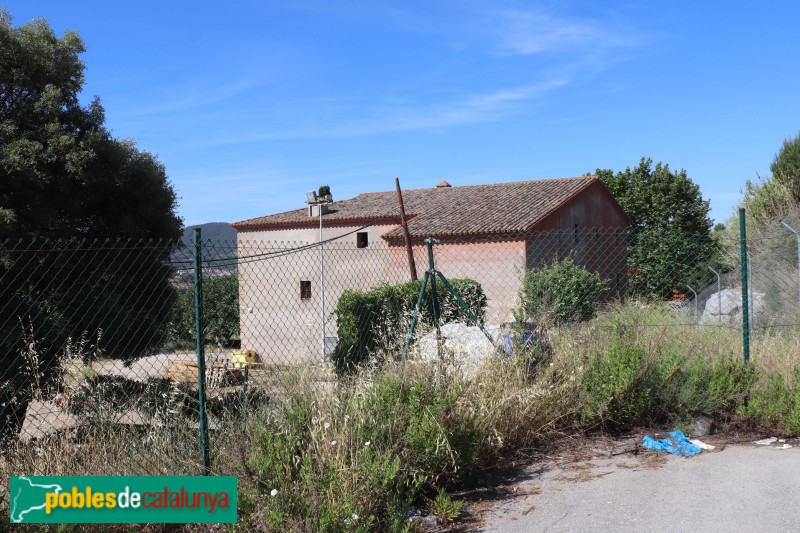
{"x":98,"y":338}
{"x":88,"y":343}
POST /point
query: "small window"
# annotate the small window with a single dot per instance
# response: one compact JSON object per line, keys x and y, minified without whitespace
{"x":577,"y":237}
{"x":305,"y":290}
{"x":362,"y":239}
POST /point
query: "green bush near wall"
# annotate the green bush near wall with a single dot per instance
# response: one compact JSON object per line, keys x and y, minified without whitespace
{"x":561,"y":292}
{"x":377,"y":321}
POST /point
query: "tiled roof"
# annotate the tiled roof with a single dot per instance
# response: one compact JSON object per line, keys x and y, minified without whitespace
{"x":444,"y":211}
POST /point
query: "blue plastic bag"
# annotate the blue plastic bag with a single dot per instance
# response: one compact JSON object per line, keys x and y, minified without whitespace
{"x":676,"y":444}
{"x":530,"y":342}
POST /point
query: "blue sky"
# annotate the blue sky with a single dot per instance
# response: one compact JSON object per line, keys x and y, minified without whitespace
{"x":251,"y":103}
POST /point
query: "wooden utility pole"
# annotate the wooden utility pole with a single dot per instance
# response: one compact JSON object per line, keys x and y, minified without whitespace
{"x":411,"y":265}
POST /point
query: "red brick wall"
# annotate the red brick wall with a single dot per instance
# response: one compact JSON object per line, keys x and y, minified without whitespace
{"x":497,"y":265}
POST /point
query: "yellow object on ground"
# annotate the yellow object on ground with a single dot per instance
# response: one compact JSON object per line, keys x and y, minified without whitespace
{"x":243,"y":358}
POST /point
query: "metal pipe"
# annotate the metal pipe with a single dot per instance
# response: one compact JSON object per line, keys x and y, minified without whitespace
{"x":201,"y":347}
{"x":745,"y":306}
{"x":750,"y":308}
{"x":321,"y":280}
{"x":244,"y":388}
{"x":695,"y":303}
{"x":719,"y":293}
{"x":417,"y":307}
{"x":797,"y":238}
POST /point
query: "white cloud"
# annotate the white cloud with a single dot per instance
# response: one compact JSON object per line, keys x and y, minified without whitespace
{"x":193,"y":94}
{"x":384,"y":118}
{"x":528,"y":32}
{"x":541,"y":52}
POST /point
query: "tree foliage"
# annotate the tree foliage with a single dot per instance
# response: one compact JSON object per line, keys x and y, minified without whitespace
{"x":220,"y":312}
{"x":64,"y":176}
{"x":769,"y":199}
{"x":785,"y":167}
{"x":669,"y":237}
{"x":766,"y":201}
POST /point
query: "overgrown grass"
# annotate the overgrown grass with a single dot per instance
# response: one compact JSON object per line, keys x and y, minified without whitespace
{"x":363,"y":453}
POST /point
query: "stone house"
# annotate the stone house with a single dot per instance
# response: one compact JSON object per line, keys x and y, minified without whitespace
{"x":490,"y":233}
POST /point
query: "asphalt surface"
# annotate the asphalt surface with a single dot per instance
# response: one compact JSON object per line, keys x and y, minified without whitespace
{"x":740,"y":488}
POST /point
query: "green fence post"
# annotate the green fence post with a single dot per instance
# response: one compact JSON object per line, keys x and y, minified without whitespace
{"x":413,"y":326}
{"x":745,"y":306}
{"x":244,"y":385}
{"x":434,"y":295}
{"x":201,"y":346}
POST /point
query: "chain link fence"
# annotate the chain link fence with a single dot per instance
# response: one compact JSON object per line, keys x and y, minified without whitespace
{"x":103,"y":371}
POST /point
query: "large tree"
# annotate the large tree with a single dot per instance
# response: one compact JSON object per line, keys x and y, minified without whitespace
{"x":64,"y":176}
{"x":771,"y":198}
{"x":669,"y":237}
{"x":785,"y":167}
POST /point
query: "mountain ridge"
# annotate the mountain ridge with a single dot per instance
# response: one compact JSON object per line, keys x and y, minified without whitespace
{"x":211,"y":231}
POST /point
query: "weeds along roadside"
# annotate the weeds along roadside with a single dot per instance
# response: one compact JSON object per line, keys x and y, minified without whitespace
{"x":358,"y":454}
{"x":389,"y":439}
{"x":378,"y":444}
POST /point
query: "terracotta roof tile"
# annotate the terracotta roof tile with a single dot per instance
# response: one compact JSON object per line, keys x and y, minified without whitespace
{"x":444,"y":211}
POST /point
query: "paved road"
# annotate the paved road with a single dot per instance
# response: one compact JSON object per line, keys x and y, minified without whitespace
{"x":740,"y":488}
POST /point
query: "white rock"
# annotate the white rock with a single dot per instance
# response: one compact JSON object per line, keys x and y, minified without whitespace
{"x":465,"y":348}
{"x":725,"y":306}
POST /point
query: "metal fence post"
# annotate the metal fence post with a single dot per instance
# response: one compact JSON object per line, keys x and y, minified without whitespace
{"x":745,"y":295}
{"x":244,"y":390}
{"x":750,"y":301}
{"x":797,"y":238}
{"x":201,"y":345}
{"x":434,"y":295}
{"x":719,"y":293}
{"x":695,"y":303}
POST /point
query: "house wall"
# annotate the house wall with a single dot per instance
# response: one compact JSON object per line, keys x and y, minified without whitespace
{"x":592,"y":227}
{"x":498,"y":265}
{"x":285,"y":329}
{"x":274,"y":320}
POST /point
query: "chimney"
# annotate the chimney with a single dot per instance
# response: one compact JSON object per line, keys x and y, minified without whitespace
{"x":313,"y":210}
{"x":443,"y":184}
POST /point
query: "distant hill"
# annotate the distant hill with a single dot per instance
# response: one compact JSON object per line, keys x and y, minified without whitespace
{"x":211,"y":231}
{"x":219,"y":248}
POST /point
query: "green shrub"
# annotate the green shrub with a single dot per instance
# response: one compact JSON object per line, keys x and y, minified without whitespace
{"x":615,"y":391}
{"x":626,"y":386}
{"x":775,"y":404}
{"x":370,"y":454}
{"x":444,"y":508}
{"x":378,"y":320}
{"x":561,"y":292}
